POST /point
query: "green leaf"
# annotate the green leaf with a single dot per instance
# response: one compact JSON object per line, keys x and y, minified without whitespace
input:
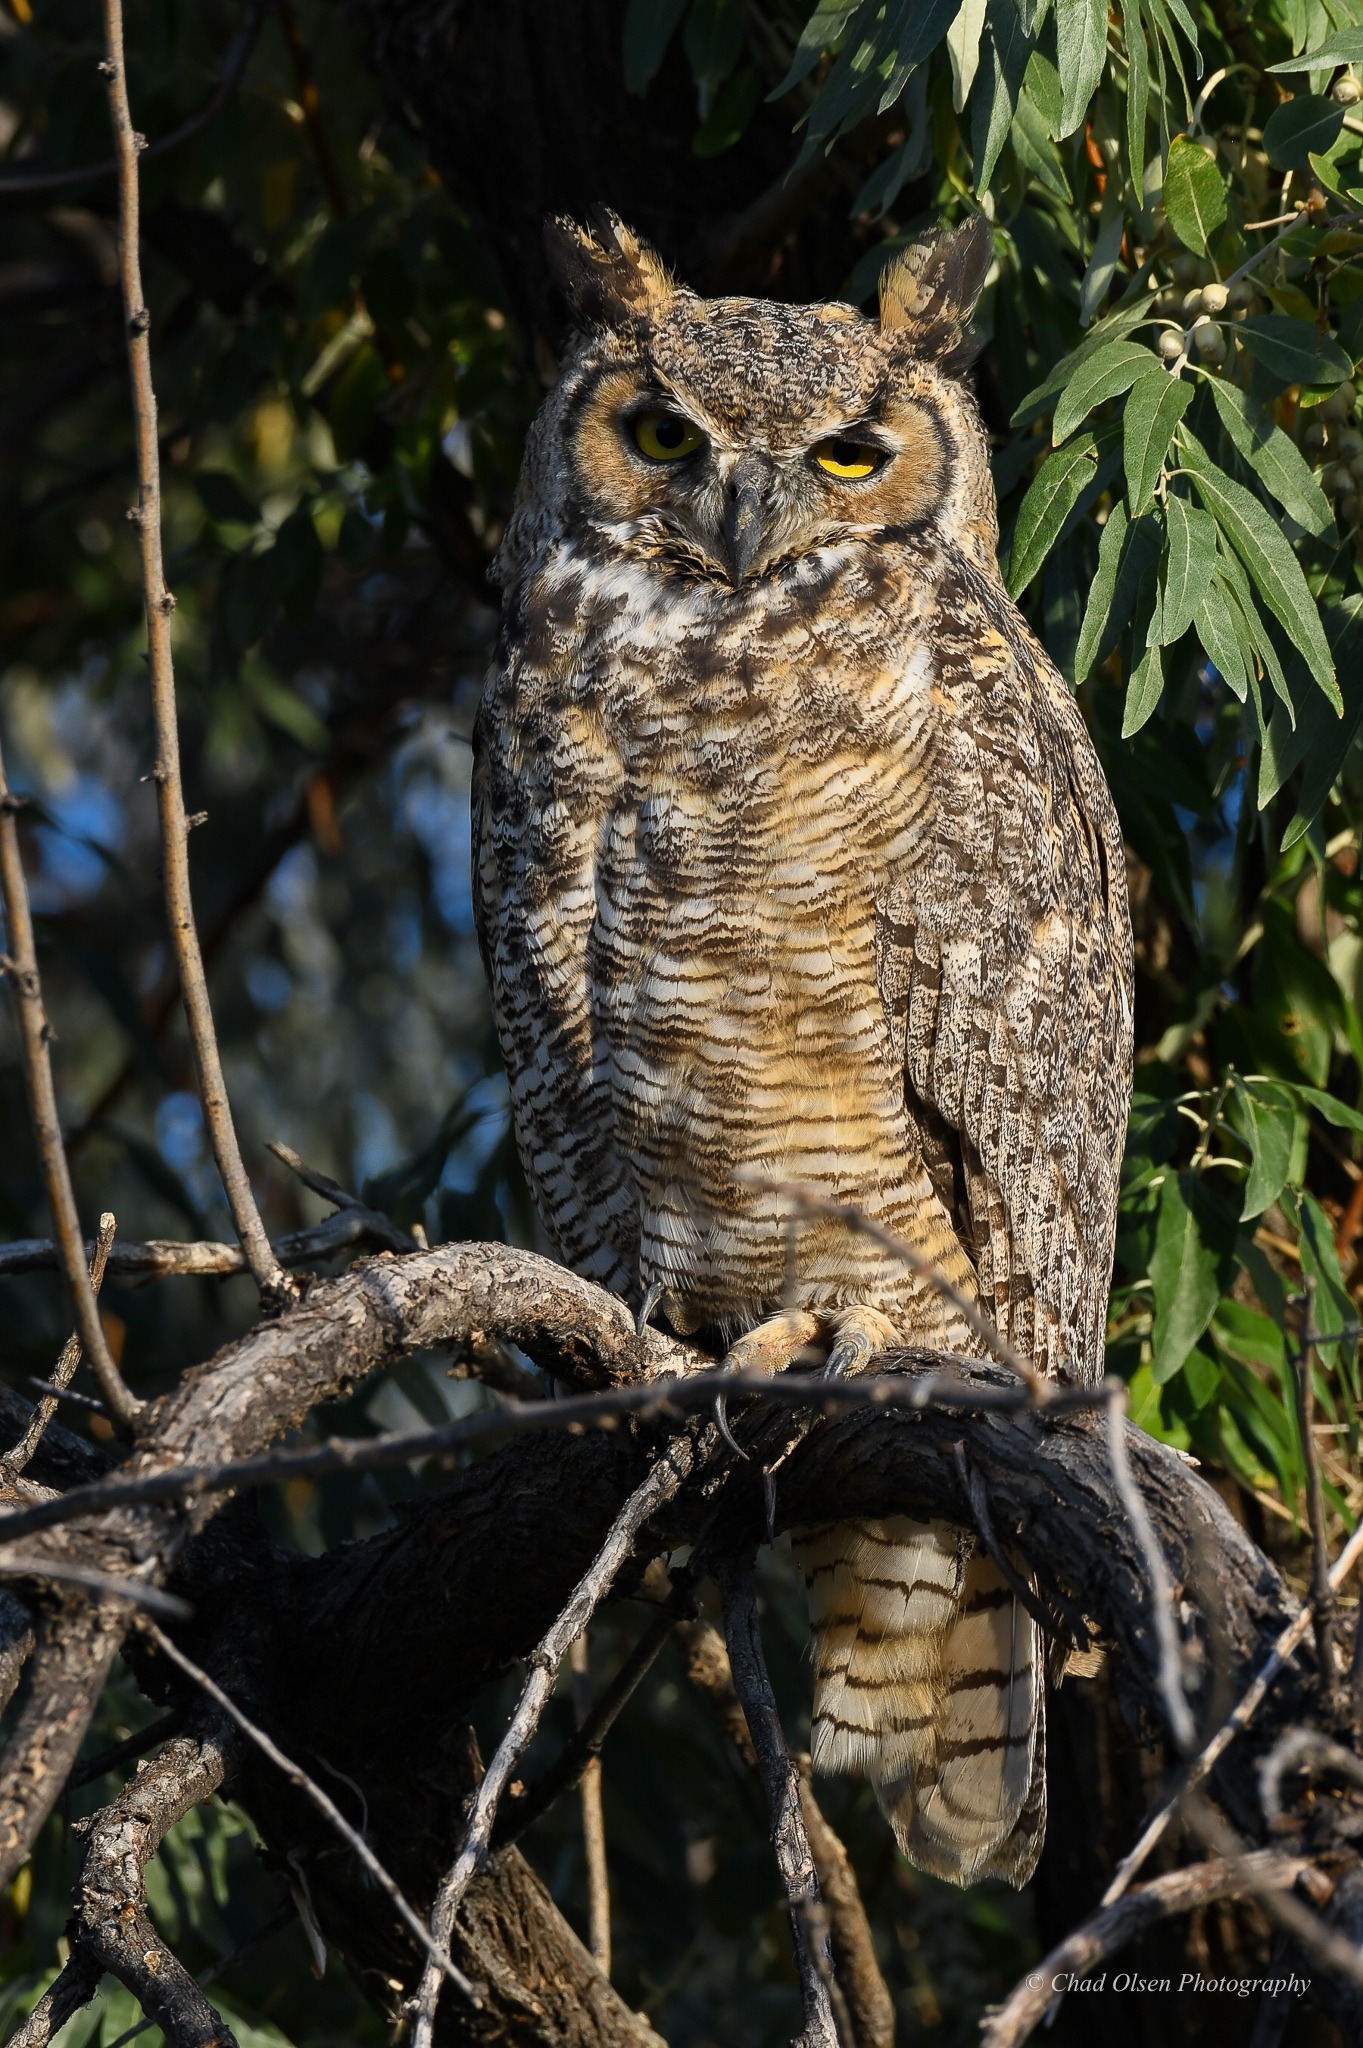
{"x":1131,"y":313}
{"x":1275,"y":459}
{"x":1346,"y":47}
{"x":1272,"y":567}
{"x":1190,"y":560}
{"x":649,"y":27}
{"x":1192,"y":1239}
{"x":1146,"y":684}
{"x":1137,"y":85}
{"x":1332,"y":1109}
{"x":1098,"y":610}
{"x":1081,"y":38}
{"x":1294,"y":351}
{"x":1194,"y":194}
{"x":823,"y":29}
{"x":1109,"y":370}
{"x":963,"y":40}
{"x":1293,"y":130}
{"x":1220,"y":628}
{"x":1266,"y":1118}
{"x":1050,"y":498}
{"x":1003,"y":61}
{"x":1154,"y":409}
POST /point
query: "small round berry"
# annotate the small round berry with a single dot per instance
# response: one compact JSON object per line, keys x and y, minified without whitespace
{"x":1209,"y":341}
{"x":1170,"y":345}
{"x":1214,"y":298}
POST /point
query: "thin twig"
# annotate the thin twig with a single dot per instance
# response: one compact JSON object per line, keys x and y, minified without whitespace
{"x":1161,"y":1586}
{"x":215,"y":1970}
{"x":975,"y":1492}
{"x":1239,"y":1718}
{"x":64,"y":1371}
{"x":1322,"y":1598}
{"x":662,"y":1482}
{"x":593,"y":1818}
{"x":869,"y":2006}
{"x":50,"y":1390}
{"x":39,"y":184}
{"x":813,"y":1203}
{"x":438,"y":1961}
{"x":131,"y":1746}
{"x":270,"y":1277}
{"x":577,"y":1755}
{"x":1113,"y":1927}
{"x":14,"y":1565}
{"x":647,"y":1398}
{"x":1331,"y":1949}
{"x":35,"y":1033}
{"x":794,"y":1858}
{"x":164,"y":1258}
{"x":321,"y":1183}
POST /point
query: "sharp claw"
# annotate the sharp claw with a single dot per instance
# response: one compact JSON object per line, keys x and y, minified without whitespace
{"x":722,"y":1424}
{"x":846,"y":1356}
{"x":769,"y":1491}
{"x":652,"y":1297}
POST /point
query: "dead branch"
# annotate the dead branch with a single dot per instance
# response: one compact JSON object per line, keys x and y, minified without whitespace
{"x":112,"y":1924}
{"x":593,"y":1816}
{"x":870,"y":2008}
{"x":16,"y":1643}
{"x":1323,"y":1943}
{"x":77,"y":1639}
{"x":269,"y":1275}
{"x":169,"y":1258}
{"x":1162,"y":1601}
{"x":64,"y":1371}
{"x":794,"y":1858}
{"x":72,"y":1989}
{"x":1114,"y":1927}
{"x":35,"y":1033}
{"x":653,"y":1493}
{"x":1300,"y":1357}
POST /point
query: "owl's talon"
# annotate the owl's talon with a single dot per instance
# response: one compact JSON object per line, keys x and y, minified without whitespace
{"x":848,"y":1355}
{"x":652,"y":1297}
{"x":722,"y":1424}
{"x":769,"y":1495}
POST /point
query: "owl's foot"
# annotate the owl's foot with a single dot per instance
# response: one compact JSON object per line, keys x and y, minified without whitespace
{"x":646,"y":1307}
{"x":769,"y":1348}
{"x":858,"y":1334}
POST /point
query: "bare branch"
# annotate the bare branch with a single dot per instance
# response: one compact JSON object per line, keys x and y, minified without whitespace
{"x":321,"y":1183}
{"x":16,"y":1644}
{"x":1161,"y":1586}
{"x":593,"y":1817}
{"x":662,"y":1482}
{"x":885,"y":1391}
{"x":64,"y":1371}
{"x":794,"y":1858}
{"x":167,"y":1258}
{"x":35,"y":1033}
{"x":324,"y":1803}
{"x":1113,"y":1927}
{"x":131,"y":1746}
{"x":269,"y":1275}
{"x":74,"y":1988}
{"x":65,"y":1571}
{"x":870,"y":2007}
{"x":1239,"y":1718}
{"x":1342,"y":1957}
{"x":77,"y":1640}
{"x":112,"y":1924}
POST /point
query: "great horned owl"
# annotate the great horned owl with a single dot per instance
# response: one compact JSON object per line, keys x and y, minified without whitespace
{"x":794,"y":863}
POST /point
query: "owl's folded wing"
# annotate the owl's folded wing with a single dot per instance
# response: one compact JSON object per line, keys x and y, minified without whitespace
{"x":1004,"y":959}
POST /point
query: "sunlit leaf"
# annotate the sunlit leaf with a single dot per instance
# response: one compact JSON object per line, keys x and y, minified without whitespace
{"x":1154,"y":409}
{"x":1081,"y":35}
{"x":1266,"y":1118}
{"x":1189,"y":561}
{"x":1275,"y":459}
{"x":1294,"y":350}
{"x":1194,"y":194}
{"x":1193,"y":1238}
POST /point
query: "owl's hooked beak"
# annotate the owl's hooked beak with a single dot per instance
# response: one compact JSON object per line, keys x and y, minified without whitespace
{"x":747,"y":512}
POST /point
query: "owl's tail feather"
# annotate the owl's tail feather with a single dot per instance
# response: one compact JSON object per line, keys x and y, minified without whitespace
{"x":928,"y":1678}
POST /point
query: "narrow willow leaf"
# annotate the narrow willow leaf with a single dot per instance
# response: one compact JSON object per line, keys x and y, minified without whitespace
{"x":1107,"y":247}
{"x":1273,"y":569}
{"x":1275,"y":459}
{"x":1266,"y":1118}
{"x":1137,"y":85}
{"x":1007,"y":46}
{"x":1050,"y":498}
{"x":1131,"y":313}
{"x":1294,"y":350}
{"x":1185,"y":1270}
{"x":1154,"y":409}
{"x":1344,"y":48}
{"x":1081,"y":38}
{"x":1111,"y":369}
{"x":1189,"y":563}
{"x":1146,"y":685}
{"x":1220,"y":629}
{"x":1194,"y":194}
{"x":1098,"y":613}
{"x":1033,"y":144}
{"x":649,"y":28}
{"x":1297,"y":127}
{"x":963,"y":49}
{"x":1332,"y":1109}
{"x":824,"y":27}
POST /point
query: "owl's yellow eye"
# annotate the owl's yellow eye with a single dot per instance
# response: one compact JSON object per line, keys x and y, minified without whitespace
{"x":843,"y":458}
{"x":665,"y":436}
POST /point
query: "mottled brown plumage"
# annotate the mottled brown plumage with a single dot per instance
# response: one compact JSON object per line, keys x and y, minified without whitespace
{"x":794,"y":862}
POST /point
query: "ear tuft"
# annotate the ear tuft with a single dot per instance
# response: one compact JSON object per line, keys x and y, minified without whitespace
{"x":608,"y":275}
{"x":928,"y":292}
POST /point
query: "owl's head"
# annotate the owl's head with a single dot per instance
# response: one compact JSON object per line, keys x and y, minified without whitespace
{"x":726,"y":439}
